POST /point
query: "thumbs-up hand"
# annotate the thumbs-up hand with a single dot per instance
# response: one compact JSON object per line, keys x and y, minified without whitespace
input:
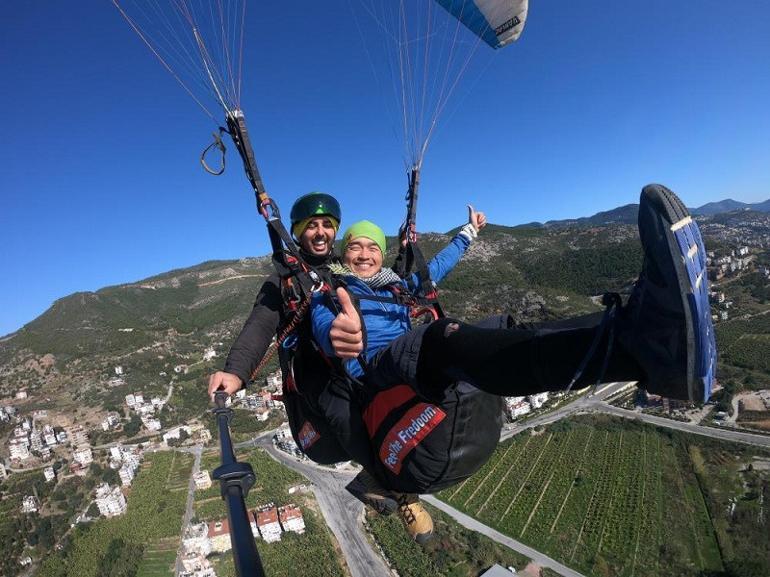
{"x":477,"y":219}
{"x":346,"y":335}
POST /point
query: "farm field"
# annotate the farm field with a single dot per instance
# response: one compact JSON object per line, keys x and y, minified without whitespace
{"x":605,"y":498}
{"x":159,"y":559}
{"x":117,"y":546}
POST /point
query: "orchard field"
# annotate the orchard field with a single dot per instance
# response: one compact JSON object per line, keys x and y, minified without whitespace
{"x":602,"y":496}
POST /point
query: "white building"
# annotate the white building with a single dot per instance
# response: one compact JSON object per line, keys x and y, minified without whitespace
{"x":268,"y":524}
{"x":118,"y":370}
{"x":3,"y":472}
{"x":516,"y":407}
{"x":291,"y":518}
{"x":22,"y":394}
{"x":130,"y":401}
{"x":176,"y":433}
{"x":49,"y":435}
{"x":537,"y":400}
{"x":19,"y":450}
{"x":126,"y":474}
{"x":196,"y":540}
{"x":151,"y":423}
{"x":35,"y":441}
{"x":83,"y":456}
{"x":4,"y":415}
{"x":209,"y":354}
{"x":111,"y":502}
{"x":29,"y":504}
{"x":61,"y":436}
{"x":111,"y":421}
{"x":116,"y":454}
{"x":49,"y":474}
{"x":219,"y":536}
{"x":202,"y":480}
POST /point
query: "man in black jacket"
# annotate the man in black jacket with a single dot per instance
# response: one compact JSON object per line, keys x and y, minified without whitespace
{"x":315,"y":219}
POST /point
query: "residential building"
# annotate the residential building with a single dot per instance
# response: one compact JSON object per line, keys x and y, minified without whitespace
{"x":126,"y":475}
{"x":291,"y":518}
{"x":202,"y":480}
{"x":83,"y":456}
{"x":268,"y":524}
{"x":29,"y":504}
{"x":49,"y":474}
{"x":537,"y":400}
{"x":151,"y":423}
{"x":111,"y":421}
{"x":3,"y":472}
{"x":49,"y":436}
{"x":19,"y":450}
{"x":196,"y":539}
{"x":219,"y":536}
{"x":110,"y":502}
{"x":176,"y":433}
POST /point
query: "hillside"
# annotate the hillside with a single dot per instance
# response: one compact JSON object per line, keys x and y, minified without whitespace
{"x":67,"y":355}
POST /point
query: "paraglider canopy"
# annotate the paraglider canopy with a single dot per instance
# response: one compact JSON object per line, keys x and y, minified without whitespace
{"x":497,"y":22}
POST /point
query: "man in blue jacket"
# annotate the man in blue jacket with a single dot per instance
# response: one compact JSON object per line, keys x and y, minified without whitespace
{"x":662,"y":337}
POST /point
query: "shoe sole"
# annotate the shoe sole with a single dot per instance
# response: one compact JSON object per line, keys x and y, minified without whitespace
{"x":689,"y":257}
{"x":384,"y":506}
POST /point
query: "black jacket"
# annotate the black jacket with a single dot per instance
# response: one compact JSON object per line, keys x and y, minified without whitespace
{"x":262,"y":325}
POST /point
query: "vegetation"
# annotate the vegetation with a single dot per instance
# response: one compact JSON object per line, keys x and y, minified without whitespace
{"x":454,"y":551}
{"x":116,"y":546}
{"x":612,"y":498}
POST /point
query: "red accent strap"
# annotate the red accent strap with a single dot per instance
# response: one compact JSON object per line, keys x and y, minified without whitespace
{"x":289,"y":384}
{"x":383,"y":403}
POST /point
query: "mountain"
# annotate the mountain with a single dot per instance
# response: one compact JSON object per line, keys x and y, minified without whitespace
{"x":535,"y":271}
{"x":727,"y":205}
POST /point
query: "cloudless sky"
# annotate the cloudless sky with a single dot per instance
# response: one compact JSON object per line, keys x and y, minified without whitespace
{"x":99,"y":176}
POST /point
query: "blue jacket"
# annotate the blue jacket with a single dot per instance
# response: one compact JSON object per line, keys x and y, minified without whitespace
{"x":384,"y":321}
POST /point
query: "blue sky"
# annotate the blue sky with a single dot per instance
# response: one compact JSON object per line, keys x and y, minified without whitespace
{"x":99,"y":176}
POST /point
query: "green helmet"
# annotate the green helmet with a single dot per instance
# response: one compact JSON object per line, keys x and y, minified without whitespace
{"x":315,"y":204}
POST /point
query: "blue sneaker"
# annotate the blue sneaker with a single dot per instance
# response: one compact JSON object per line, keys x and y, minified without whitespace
{"x":666,"y":324}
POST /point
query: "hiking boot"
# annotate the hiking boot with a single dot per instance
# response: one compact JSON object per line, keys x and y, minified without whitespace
{"x":418,"y":521}
{"x":666,"y":324}
{"x":367,"y":490}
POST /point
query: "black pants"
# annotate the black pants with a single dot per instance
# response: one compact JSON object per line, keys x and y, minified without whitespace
{"x":499,"y":358}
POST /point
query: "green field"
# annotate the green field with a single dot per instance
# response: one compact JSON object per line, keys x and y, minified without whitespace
{"x":159,"y":559}
{"x":117,"y":546}
{"x":454,"y":550}
{"x":603,"y":497}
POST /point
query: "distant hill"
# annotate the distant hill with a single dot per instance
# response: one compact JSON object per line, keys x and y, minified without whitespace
{"x":151,"y":327}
